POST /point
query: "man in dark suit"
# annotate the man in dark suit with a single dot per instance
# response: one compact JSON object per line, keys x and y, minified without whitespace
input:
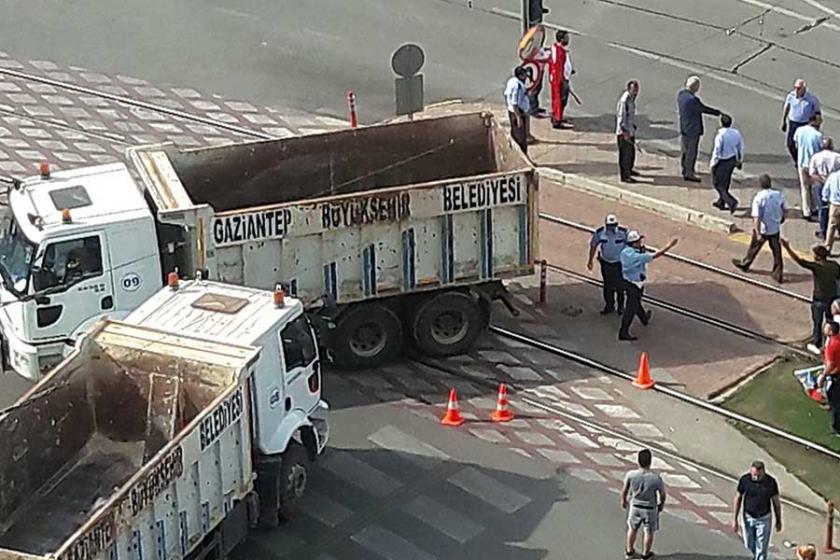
{"x":691,"y":126}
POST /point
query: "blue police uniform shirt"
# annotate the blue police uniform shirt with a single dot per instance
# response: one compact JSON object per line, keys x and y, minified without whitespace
{"x":801,"y":108}
{"x":633,"y":264}
{"x":611,"y":242}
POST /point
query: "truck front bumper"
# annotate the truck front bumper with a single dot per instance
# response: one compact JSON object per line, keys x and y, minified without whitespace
{"x":24,"y":358}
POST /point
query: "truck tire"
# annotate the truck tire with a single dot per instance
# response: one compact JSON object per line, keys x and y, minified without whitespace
{"x":294,"y":478}
{"x":448,"y":324}
{"x":367,"y":336}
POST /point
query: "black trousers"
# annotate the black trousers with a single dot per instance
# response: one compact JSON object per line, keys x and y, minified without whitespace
{"x":722,"y":180}
{"x":633,"y":309}
{"x":613,"y":284}
{"x":534,"y":97}
{"x":518,"y":132}
{"x":626,"y":156}
{"x":820,"y":311}
{"x":791,"y":145}
{"x":834,"y":403}
{"x":775,"y":247}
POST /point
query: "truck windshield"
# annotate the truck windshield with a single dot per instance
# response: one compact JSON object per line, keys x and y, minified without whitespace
{"x":16,"y":255}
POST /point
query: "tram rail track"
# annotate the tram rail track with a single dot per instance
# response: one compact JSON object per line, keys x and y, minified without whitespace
{"x":557,"y":220}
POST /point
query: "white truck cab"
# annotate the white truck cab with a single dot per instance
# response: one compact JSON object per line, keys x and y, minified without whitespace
{"x":73,"y":242}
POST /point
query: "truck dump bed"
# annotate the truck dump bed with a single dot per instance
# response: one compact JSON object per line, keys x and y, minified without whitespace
{"x":355,"y":214}
{"x":97,"y":441}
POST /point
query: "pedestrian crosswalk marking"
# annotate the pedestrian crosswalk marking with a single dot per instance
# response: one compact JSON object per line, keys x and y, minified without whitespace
{"x":416,"y":451}
{"x":357,"y":472}
{"x":388,"y":545}
{"x":445,"y":520}
{"x":489,"y":490}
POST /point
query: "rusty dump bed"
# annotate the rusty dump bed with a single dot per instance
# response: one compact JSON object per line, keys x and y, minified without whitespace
{"x":85,"y":430}
{"x":344,"y":162}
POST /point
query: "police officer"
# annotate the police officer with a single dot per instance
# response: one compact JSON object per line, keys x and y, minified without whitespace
{"x":634,"y":261}
{"x":608,"y":241}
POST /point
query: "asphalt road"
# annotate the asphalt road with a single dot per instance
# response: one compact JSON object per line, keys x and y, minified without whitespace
{"x":395,"y":486}
{"x":305,"y":55}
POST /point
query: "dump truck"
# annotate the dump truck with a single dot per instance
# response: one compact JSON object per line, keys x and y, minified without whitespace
{"x":166,"y":435}
{"x":390,"y":235}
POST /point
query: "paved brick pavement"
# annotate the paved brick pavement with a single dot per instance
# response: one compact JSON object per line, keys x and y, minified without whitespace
{"x":39,"y":121}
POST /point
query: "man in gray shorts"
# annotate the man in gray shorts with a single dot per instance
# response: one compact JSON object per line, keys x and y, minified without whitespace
{"x":644,"y":497}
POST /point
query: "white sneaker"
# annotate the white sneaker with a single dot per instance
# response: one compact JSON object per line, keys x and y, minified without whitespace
{"x":812,"y":348}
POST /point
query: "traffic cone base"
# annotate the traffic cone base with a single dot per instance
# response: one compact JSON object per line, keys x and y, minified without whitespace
{"x":502,"y":412}
{"x":453,"y":413}
{"x":643,"y":378}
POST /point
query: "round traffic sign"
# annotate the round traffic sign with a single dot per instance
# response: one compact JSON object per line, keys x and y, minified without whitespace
{"x":408,"y":60}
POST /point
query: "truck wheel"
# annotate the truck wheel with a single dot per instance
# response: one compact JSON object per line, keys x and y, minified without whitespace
{"x":448,"y":324}
{"x":367,"y":336}
{"x":294,"y":477}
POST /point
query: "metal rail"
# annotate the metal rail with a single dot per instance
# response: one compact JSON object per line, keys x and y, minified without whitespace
{"x":525,"y":395}
{"x":136,"y":103}
{"x":673,"y":393}
{"x":690,"y":313}
{"x":693,"y":262}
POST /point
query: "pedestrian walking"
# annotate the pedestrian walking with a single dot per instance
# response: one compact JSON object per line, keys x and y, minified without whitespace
{"x":517,"y":106}
{"x":768,"y":212}
{"x":644,"y":498}
{"x":800,"y":104}
{"x":634,"y":261}
{"x":832,"y":188}
{"x":829,"y":380}
{"x":757,"y":492}
{"x":608,"y":241}
{"x":826,"y":274}
{"x":808,"y":140}
{"x":823,"y":163}
{"x":691,"y":111}
{"x":727,"y":154}
{"x":625,"y":130}
{"x":560,"y":71}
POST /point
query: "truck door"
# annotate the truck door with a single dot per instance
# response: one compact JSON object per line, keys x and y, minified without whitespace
{"x":303,"y":370}
{"x":76,"y":274}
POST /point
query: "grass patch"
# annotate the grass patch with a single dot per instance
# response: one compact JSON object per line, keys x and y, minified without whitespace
{"x":775,"y":397}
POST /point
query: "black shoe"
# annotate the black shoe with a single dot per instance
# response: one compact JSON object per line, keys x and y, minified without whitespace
{"x":648,"y":317}
{"x":607,"y":310}
{"x":719,"y":204}
{"x":739,"y":265}
{"x":629,"y":554}
{"x":819,"y":235}
{"x":627,"y":337}
{"x":693,"y":179}
{"x":620,"y":310}
{"x":648,"y":556}
{"x":635,"y":173}
{"x":628,"y":180}
{"x":733,"y":207}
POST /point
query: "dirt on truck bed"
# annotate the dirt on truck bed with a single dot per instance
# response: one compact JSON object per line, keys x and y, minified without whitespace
{"x":85,"y":432}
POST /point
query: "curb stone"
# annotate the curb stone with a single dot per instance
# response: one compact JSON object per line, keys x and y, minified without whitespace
{"x":636,"y":200}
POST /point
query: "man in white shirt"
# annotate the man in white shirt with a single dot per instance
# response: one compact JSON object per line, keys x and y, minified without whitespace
{"x":823,"y":163}
{"x":625,"y":130}
{"x":832,"y":186}
{"x":516,"y":100}
{"x":768,"y":211}
{"x":727,"y":154}
{"x":808,"y":140}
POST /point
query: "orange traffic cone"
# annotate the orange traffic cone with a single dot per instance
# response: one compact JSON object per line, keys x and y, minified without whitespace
{"x":502,"y":412}
{"x":643,"y":378}
{"x":453,"y":413}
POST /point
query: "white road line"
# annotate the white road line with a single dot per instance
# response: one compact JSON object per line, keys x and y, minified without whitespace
{"x":325,"y":509}
{"x":789,"y":13}
{"x":447,"y":521}
{"x":416,"y":451}
{"x":359,"y":473}
{"x":389,"y":545}
{"x":821,"y":7}
{"x":489,"y":490}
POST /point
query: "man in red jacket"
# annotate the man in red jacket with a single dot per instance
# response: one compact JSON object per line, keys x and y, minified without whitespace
{"x":559,"y":73}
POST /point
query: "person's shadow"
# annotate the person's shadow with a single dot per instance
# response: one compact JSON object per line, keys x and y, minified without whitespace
{"x":695,"y":556}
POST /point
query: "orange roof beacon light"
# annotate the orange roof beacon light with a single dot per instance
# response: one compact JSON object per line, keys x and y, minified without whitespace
{"x":65,"y":216}
{"x":44,"y":170}
{"x":279,"y":296}
{"x":172,"y":280}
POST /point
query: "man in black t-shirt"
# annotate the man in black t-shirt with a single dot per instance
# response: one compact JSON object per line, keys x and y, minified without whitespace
{"x":757,"y":492}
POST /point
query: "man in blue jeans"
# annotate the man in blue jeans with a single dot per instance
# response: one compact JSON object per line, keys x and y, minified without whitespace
{"x":757,"y":492}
